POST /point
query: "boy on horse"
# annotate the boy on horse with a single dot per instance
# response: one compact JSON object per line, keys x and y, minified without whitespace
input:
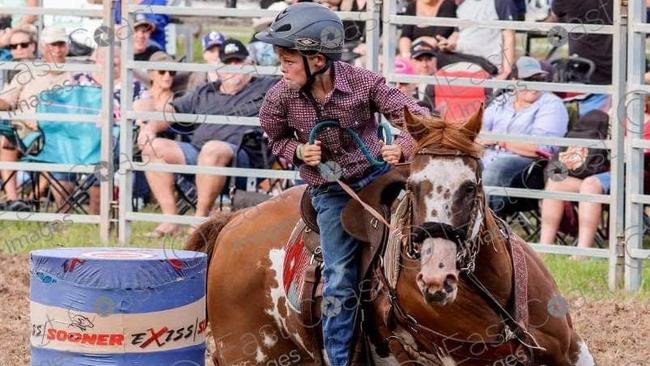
{"x":316,"y":87}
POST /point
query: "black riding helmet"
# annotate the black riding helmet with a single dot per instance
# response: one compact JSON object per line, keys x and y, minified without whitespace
{"x":309,"y":28}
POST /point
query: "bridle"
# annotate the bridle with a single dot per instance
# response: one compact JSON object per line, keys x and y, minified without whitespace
{"x":465,"y":236}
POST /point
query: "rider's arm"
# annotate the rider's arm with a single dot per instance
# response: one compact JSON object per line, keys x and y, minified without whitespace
{"x":391,"y":102}
{"x":273,"y":119}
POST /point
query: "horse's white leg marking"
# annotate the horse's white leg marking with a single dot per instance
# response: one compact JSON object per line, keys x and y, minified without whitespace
{"x":584,"y":356}
{"x":259,"y":355}
{"x":446,"y":175}
{"x":276,"y":256}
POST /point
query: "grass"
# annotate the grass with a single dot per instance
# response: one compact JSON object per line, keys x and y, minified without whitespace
{"x":587,"y":278}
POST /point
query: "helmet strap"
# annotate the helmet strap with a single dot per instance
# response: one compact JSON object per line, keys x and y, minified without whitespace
{"x":311,"y":77}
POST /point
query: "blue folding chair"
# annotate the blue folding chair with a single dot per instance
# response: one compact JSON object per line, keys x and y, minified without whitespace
{"x":76,"y":143}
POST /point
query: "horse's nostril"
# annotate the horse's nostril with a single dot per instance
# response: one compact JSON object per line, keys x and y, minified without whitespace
{"x":450,"y":283}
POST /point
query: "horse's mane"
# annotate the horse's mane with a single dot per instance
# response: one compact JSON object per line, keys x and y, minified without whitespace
{"x":444,"y":135}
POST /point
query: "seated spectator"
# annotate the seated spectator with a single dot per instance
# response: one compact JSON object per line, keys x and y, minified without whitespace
{"x":159,"y":21}
{"x":403,"y":66}
{"x":15,"y":21}
{"x":142,"y":47}
{"x":23,"y":47}
{"x":495,"y":45}
{"x":211,"y":43}
{"x":525,"y":112}
{"x":423,"y":59}
{"x":21,"y":95}
{"x":211,"y":144}
{"x":428,"y":34}
{"x":96,"y":79}
{"x":589,"y":213}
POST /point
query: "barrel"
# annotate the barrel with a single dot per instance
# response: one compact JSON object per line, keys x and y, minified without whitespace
{"x":117,"y":307}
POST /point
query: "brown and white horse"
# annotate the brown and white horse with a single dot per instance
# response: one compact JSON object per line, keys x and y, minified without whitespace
{"x":433,"y":312}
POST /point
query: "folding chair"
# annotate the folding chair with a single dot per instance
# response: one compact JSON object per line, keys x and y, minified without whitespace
{"x":459,"y":102}
{"x":74,"y":143}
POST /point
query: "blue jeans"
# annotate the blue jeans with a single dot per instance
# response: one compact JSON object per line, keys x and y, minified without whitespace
{"x":500,"y":171}
{"x":340,"y":267}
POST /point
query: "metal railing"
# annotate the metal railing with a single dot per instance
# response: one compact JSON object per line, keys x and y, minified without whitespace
{"x":126,"y":213}
{"x":625,"y":251}
{"x":105,"y":117}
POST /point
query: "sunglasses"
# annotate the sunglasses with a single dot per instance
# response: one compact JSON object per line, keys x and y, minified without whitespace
{"x":162,"y":72}
{"x":58,"y":44}
{"x":14,"y":46}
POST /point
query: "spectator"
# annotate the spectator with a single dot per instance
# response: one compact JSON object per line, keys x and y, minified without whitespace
{"x":142,"y":48}
{"x":15,"y":21}
{"x":96,"y":79}
{"x":23,"y":47}
{"x":22,"y":44}
{"x":211,"y":144}
{"x":495,"y":45}
{"x":429,"y":34}
{"x":423,"y":59}
{"x":158,"y":37}
{"x":526,"y":112}
{"x":212,"y":43}
{"x":595,"y":47}
{"x":21,"y":95}
{"x":589,"y":213}
{"x":403,"y":66}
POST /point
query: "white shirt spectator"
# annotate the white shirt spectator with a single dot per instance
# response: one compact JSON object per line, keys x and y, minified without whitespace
{"x":484,"y":42}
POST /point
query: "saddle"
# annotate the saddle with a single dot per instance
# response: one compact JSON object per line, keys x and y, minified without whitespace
{"x":304,"y":259}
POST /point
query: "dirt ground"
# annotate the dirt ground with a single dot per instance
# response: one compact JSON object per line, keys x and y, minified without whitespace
{"x":618,"y":333}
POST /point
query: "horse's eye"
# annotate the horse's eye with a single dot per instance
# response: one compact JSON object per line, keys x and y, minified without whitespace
{"x":470,"y":189}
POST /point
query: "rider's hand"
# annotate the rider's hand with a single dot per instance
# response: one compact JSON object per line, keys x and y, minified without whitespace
{"x":391,"y":153}
{"x":311,"y":154}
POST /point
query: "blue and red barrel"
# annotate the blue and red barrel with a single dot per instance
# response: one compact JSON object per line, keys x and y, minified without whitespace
{"x":117,"y":307}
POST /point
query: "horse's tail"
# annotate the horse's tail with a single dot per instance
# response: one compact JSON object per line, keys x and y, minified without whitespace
{"x":205,"y":236}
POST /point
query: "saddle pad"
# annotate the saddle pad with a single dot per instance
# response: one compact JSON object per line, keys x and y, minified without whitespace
{"x":295,"y":265}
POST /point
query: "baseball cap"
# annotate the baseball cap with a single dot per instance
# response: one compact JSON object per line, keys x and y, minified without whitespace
{"x":422,"y":48}
{"x":53,"y":35}
{"x":233,"y":49}
{"x":141,"y":19}
{"x":528,"y":66}
{"x":212,"y":39}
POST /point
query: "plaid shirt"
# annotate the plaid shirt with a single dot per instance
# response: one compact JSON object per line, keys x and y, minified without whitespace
{"x":287,"y":116}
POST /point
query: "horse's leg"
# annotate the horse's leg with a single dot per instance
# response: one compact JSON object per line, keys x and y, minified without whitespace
{"x":550,"y":323}
{"x":579,"y":353}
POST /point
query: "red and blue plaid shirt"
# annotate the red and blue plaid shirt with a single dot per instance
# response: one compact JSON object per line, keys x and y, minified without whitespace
{"x":287,"y":116}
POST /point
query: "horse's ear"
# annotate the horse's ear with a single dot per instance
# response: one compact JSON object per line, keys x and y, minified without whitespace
{"x":413,"y":125}
{"x":473,"y":126}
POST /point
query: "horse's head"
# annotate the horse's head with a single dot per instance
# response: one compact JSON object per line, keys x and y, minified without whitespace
{"x":448,"y":201}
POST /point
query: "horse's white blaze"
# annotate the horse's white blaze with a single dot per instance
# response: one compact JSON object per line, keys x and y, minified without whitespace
{"x":448,"y":174}
{"x":584,"y":357}
{"x":276,"y":256}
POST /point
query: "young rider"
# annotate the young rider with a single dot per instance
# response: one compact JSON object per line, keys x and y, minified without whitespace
{"x":316,"y":86}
